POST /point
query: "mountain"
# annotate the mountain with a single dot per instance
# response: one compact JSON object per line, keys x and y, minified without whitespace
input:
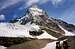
{"x":39,"y":17}
{"x":35,"y":24}
{"x":65,"y":25}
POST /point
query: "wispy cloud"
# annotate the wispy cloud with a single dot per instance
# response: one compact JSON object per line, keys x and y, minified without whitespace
{"x":6,"y":3}
{"x":69,"y":14}
{"x":31,"y":2}
{"x":2,"y":17}
{"x":57,"y":2}
{"x":54,"y":2}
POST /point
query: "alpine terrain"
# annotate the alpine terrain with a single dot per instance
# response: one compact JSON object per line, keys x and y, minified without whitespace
{"x":35,"y":30}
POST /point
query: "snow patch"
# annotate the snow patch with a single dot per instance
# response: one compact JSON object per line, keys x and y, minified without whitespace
{"x":2,"y":47}
{"x":52,"y":45}
{"x":16,"y":30}
{"x":13,"y":30}
{"x":45,"y":35}
{"x":67,"y":33}
{"x":35,"y":11}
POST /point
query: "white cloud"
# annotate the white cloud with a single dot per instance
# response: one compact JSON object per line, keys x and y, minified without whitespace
{"x":54,"y":2}
{"x":14,"y":16}
{"x":69,"y":15}
{"x":31,"y":2}
{"x":57,"y":2}
{"x":2,"y":17}
{"x":28,"y":3}
{"x":7,"y":3}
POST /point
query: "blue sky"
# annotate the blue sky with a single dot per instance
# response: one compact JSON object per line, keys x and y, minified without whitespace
{"x":62,"y":9}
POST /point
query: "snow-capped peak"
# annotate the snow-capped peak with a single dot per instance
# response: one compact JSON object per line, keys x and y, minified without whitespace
{"x":36,"y":20}
{"x":35,"y":11}
{"x":33,"y":14}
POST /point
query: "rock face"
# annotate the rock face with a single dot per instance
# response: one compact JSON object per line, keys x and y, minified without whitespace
{"x":39,"y":17}
{"x":65,"y":25}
